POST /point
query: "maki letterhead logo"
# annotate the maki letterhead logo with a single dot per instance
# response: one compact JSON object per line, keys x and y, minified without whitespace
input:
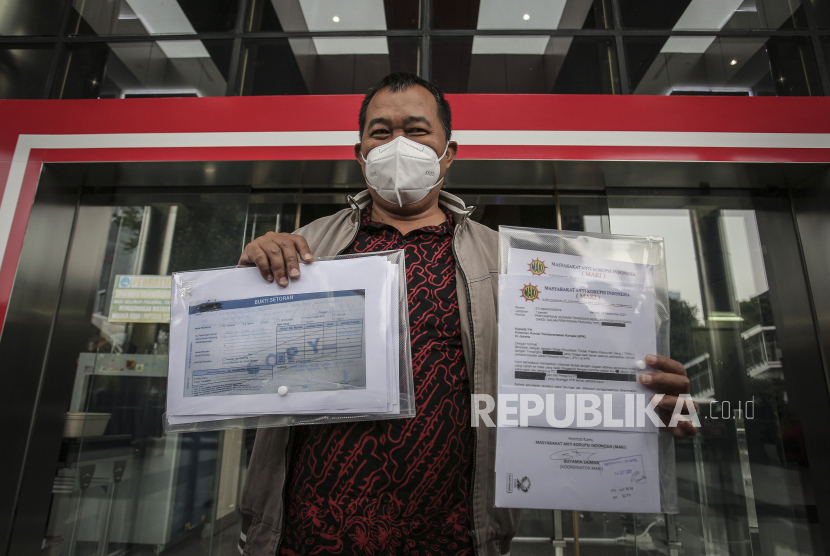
{"x":537,"y":267}
{"x":530,"y":292}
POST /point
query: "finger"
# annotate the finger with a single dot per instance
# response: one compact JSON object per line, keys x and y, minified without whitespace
{"x":666,"y":383}
{"x":684,"y":429}
{"x":277,"y":263}
{"x":289,"y":253}
{"x":302,"y":248}
{"x":666,"y":365}
{"x":670,"y":402}
{"x":244,"y":259}
{"x":257,"y":256}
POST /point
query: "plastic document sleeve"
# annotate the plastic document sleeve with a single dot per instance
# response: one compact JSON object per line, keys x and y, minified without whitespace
{"x":578,"y":314}
{"x":332,"y":346}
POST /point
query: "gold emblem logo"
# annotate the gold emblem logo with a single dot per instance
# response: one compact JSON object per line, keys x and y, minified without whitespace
{"x":537,"y":267}
{"x":530,"y":293}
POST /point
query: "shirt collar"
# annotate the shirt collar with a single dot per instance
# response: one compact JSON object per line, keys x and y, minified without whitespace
{"x":446,"y":227}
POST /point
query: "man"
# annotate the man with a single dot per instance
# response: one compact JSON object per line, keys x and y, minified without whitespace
{"x":423,"y":485}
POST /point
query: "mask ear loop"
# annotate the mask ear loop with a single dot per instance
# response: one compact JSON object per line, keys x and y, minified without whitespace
{"x":440,"y":158}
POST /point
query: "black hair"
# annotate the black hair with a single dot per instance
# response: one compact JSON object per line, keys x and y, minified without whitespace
{"x":399,"y":81}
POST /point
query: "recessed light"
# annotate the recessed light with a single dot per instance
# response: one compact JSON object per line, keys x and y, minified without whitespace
{"x":526,"y":17}
{"x":336,"y":19}
{"x":733,"y":62}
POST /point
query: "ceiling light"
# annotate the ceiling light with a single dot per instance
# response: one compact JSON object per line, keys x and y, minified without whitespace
{"x":336,"y":19}
{"x":526,"y":17}
{"x":733,"y":62}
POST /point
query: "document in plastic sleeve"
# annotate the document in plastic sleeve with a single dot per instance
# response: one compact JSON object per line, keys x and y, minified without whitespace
{"x":577,"y":469}
{"x":571,"y":325}
{"x":246,"y":347}
{"x":586,"y":326}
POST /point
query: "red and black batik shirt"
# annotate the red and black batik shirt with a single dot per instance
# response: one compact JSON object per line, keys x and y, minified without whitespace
{"x":397,"y":486}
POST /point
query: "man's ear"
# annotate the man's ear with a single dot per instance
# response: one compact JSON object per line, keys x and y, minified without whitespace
{"x":358,"y":154}
{"x":452,"y":151}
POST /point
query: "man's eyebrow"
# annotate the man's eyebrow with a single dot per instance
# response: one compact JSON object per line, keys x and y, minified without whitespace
{"x":378,"y":121}
{"x":421,"y":119}
{"x":407,"y":120}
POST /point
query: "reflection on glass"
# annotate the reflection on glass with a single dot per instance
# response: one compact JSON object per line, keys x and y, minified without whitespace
{"x":153,"y":17}
{"x":708,"y":15}
{"x":122,"y":485}
{"x":145,"y":69}
{"x":762,"y":66}
{"x":23,"y":71}
{"x":323,"y":65}
{"x":333,"y":15}
{"x":525,"y":64}
{"x":30,"y":17}
{"x":523,"y":14}
{"x":738,"y":480}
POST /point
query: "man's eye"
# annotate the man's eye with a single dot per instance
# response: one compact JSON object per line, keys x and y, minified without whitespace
{"x":380,"y":131}
{"x":417,"y":130}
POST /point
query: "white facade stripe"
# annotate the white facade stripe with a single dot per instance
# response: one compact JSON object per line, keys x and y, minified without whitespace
{"x":25,"y":143}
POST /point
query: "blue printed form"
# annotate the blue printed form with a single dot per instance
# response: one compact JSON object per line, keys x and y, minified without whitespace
{"x":308,"y":342}
{"x":326,"y":344}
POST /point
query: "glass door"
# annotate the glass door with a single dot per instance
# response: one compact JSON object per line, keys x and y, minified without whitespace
{"x":121,"y":485}
{"x":744,"y":479}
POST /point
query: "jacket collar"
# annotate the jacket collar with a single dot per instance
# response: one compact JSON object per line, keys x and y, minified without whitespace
{"x":456,"y":206}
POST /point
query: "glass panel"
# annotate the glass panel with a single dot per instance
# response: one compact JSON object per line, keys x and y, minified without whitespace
{"x":31,"y":17}
{"x":705,"y":15}
{"x":122,"y":485}
{"x":145,"y":69}
{"x":525,"y":64}
{"x":761,"y":66}
{"x":333,"y":15}
{"x":23,"y":71}
{"x":743,"y":479}
{"x":324,"y":65}
{"x":153,"y":17}
{"x":821,"y":9}
{"x":523,"y":14}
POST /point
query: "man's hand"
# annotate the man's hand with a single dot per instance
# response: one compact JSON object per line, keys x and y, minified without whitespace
{"x":277,"y":255}
{"x":671,"y":382}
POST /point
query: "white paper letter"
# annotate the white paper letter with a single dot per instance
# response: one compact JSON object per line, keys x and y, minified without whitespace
{"x":504,"y":411}
{"x":607,"y":412}
{"x":526,"y":411}
{"x":569,"y":411}
{"x":583,"y":408}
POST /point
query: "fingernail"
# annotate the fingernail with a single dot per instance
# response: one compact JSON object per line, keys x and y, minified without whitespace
{"x":283,"y":282}
{"x":645,"y":378}
{"x":294,"y":272}
{"x":307,"y":256}
{"x":270,"y":278}
{"x":651,"y":360}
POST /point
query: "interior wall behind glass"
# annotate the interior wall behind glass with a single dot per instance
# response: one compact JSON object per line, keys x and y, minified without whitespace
{"x":742,"y":66}
{"x":23,"y":71}
{"x":323,"y":65}
{"x":30,"y":17}
{"x":144,"y":69}
{"x":525,"y":64}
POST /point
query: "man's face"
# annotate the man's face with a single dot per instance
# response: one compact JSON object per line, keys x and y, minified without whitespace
{"x":412,"y":113}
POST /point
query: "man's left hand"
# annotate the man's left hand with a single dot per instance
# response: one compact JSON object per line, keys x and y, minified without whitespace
{"x":671,"y":382}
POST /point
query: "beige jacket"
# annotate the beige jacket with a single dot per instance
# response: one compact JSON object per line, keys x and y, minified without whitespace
{"x":476,"y":255}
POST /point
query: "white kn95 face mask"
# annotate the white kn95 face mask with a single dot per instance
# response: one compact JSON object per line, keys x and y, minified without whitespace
{"x":403,"y":171}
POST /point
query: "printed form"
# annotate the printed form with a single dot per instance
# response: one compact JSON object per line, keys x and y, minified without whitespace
{"x":574,"y":325}
{"x":241,"y":346}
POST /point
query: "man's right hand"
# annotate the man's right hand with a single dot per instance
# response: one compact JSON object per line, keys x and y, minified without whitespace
{"x":277,"y":256}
